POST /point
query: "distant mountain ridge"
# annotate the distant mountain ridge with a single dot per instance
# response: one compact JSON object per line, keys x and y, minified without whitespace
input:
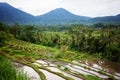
{"x":11,"y":15}
{"x":107,"y":19}
{"x":61,"y":16}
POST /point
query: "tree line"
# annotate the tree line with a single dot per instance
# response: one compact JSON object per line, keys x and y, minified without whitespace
{"x":102,"y":40}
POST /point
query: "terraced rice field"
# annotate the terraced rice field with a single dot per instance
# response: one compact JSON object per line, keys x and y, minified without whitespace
{"x":43,"y":63}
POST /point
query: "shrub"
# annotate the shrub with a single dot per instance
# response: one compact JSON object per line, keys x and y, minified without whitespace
{"x":9,"y":72}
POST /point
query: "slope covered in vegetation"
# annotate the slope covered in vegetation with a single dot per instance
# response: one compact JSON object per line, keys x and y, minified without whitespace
{"x":73,"y":50}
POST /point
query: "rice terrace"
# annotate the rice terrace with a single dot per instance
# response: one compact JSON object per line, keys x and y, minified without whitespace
{"x":59,"y":44}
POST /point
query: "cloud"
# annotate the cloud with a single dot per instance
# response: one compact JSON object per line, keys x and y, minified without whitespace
{"x":93,"y":7}
{"x":90,"y":8}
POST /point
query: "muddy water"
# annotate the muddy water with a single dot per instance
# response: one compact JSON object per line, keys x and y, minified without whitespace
{"x":72,"y":68}
{"x":51,"y":76}
{"x":104,"y":65}
{"x":54,"y":69}
{"x":66,"y":74}
{"x":85,"y":71}
{"x":110,"y":68}
{"x":42,"y":62}
{"x":29,"y":71}
{"x":56,"y":62}
{"x":97,"y":65}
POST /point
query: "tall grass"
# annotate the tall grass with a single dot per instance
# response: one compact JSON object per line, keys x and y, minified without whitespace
{"x":9,"y":72}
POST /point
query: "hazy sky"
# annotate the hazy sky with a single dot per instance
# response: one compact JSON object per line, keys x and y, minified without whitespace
{"x":90,"y":8}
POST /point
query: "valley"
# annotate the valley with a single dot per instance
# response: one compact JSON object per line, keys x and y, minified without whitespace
{"x":59,"y":44}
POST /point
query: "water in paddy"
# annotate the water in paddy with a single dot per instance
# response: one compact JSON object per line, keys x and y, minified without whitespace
{"x":51,"y":76}
{"x":84,"y":71}
{"x":107,"y":66}
{"x":31,"y":73}
{"x":72,"y":68}
{"x":102,"y":64}
{"x":96,"y":65}
{"x":66,"y":74}
{"x":52,"y":68}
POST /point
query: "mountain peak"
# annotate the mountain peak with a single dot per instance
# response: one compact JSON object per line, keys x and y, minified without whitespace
{"x":61,"y":16}
{"x":60,"y":9}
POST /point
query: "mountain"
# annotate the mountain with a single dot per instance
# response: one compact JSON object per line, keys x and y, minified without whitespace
{"x":106,"y":19}
{"x":9,"y":15}
{"x":61,"y":16}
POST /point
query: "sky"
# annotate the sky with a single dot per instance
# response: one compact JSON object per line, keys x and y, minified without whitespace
{"x":91,"y":8}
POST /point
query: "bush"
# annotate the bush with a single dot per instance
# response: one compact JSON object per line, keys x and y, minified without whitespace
{"x":9,"y":72}
{"x":4,"y":37}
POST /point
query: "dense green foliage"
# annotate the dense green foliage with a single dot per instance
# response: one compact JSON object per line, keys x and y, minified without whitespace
{"x":4,"y":34}
{"x":8,"y":71}
{"x":99,"y":39}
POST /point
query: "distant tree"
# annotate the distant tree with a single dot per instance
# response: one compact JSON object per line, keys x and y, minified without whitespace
{"x":98,"y":25}
{"x":15,"y":30}
{"x":4,"y":27}
{"x":4,"y":37}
